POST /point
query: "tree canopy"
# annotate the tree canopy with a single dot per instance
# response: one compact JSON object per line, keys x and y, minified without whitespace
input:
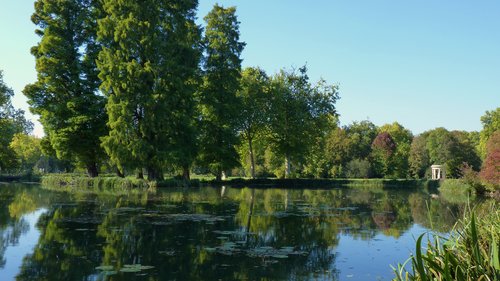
{"x":148,"y":67}
{"x":65,"y":93}
{"x":219,"y":104}
{"x":12,"y":122}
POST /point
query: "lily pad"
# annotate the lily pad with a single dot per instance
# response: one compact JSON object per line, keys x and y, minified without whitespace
{"x":105,"y":267}
{"x":135,"y":267}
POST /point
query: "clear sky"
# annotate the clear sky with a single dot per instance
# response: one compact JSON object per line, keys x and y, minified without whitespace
{"x":423,"y":63}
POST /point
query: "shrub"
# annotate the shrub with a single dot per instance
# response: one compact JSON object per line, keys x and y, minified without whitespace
{"x":358,"y":168}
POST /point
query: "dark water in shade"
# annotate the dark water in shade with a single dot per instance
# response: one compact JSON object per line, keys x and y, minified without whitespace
{"x":214,"y":233}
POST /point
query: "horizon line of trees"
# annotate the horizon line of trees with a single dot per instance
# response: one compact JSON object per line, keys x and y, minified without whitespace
{"x":141,"y":88}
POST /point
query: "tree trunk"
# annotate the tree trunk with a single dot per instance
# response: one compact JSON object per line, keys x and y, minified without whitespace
{"x":252,"y":161}
{"x":140,"y":175}
{"x":287,"y":167}
{"x":185,"y":173}
{"x":154,"y":174}
{"x":218,"y":175}
{"x":92,"y":170}
{"x":224,"y":175}
{"x":119,"y":173}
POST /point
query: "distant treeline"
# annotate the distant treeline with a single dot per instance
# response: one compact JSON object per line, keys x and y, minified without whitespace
{"x":140,"y":88}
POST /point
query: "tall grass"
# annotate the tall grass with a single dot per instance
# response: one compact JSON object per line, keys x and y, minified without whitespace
{"x":470,"y":253}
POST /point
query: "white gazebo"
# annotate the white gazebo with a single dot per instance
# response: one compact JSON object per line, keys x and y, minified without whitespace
{"x":438,"y":172}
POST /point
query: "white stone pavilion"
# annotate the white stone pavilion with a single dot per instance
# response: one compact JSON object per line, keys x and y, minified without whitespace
{"x":438,"y":172}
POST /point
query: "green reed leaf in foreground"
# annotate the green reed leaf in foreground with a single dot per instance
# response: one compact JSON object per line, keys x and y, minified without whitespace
{"x":471,"y":252}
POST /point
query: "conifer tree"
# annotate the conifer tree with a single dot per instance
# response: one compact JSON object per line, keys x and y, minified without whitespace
{"x":65,"y":94}
{"x":219,"y":103}
{"x":149,"y":68}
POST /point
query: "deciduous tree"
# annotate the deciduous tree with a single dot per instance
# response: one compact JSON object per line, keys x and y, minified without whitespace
{"x":402,"y":138}
{"x":490,"y":171}
{"x":382,"y":155}
{"x":254,"y":96}
{"x":491,"y":123}
{"x":300,"y":114}
{"x":12,"y":122}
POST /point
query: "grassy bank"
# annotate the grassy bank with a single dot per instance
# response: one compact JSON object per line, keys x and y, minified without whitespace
{"x":77,"y":182}
{"x":462,"y":190}
{"x":69,"y":182}
{"x":472,"y":252}
{"x":326,"y":183}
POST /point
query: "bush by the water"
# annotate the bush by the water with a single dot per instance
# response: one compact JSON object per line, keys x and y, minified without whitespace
{"x":470,"y":253}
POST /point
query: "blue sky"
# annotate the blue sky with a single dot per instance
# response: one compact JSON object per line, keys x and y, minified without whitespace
{"x":423,"y":63}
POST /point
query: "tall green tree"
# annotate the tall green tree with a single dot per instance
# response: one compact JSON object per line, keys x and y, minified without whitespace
{"x":418,"y":158}
{"x":338,"y":151}
{"x":12,"y":122}
{"x":254,"y":94}
{"x":361,"y":135}
{"x":300,"y":114}
{"x":28,"y":150}
{"x":491,"y":124}
{"x":149,"y":68}
{"x":220,"y":106}
{"x":65,"y":94}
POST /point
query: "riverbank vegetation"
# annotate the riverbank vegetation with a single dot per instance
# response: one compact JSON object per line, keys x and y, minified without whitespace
{"x":471,"y":252}
{"x":71,"y":182}
{"x":147,"y":93}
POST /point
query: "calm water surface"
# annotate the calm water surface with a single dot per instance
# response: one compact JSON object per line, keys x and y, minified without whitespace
{"x":214,"y":233}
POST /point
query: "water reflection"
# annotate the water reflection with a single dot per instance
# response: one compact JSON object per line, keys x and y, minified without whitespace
{"x":220,"y":233}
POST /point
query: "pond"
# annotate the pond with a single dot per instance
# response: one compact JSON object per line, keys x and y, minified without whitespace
{"x":214,"y":233}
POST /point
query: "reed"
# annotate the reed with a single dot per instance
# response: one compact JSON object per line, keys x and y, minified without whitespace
{"x":470,"y":253}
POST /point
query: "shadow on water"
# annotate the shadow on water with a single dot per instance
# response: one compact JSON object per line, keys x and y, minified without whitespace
{"x":218,"y":233}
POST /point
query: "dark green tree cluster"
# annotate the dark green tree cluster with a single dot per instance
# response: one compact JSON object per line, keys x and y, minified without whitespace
{"x":139,"y":87}
{"x":440,"y":146}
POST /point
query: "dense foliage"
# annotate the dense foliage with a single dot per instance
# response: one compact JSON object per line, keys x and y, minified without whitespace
{"x":148,"y":66}
{"x":12,"y":122}
{"x":219,"y":104}
{"x":65,"y":92}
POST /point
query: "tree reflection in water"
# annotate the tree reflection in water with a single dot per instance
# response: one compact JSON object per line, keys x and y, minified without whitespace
{"x":212,"y":234}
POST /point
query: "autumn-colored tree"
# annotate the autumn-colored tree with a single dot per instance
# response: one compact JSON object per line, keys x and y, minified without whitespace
{"x":383,"y":150}
{"x":490,"y":171}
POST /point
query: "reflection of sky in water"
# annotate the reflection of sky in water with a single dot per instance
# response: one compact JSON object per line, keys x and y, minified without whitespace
{"x":357,"y":259}
{"x":14,"y":254}
{"x":194,"y":234}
